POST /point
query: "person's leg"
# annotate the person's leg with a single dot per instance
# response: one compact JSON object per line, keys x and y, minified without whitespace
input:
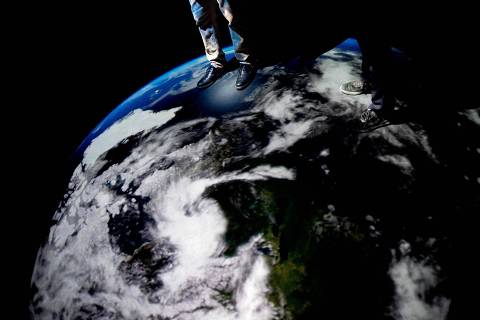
{"x":376,"y":59}
{"x":238,"y":30}
{"x":375,"y":68}
{"x":205,"y":15}
{"x":240,"y":39}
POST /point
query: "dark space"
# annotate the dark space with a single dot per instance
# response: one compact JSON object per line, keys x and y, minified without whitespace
{"x":76,"y":62}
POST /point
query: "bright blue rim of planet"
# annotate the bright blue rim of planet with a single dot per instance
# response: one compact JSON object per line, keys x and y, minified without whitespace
{"x":166,"y":81}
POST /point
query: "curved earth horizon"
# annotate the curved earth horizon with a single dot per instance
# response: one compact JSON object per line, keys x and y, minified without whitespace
{"x":260,"y":204}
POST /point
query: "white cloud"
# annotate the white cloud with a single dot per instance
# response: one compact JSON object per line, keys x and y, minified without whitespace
{"x":288,"y":135}
{"x":413,"y":280}
{"x":252,"y":302}
{"x":281,"y":108}
{"x":398,"y":160}
{"x":136,"y":122}
{"x":81,"y":256}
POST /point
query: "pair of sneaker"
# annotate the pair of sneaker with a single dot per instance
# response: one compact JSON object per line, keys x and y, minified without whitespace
{"x":246,"y":74}
{"x":372,"y":117}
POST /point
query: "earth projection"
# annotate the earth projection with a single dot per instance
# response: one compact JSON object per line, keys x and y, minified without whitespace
{"x":256,"y":204}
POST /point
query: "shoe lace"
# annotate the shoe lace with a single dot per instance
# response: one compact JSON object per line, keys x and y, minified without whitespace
{"x":211,"y":69}
{"x":367,"y":115}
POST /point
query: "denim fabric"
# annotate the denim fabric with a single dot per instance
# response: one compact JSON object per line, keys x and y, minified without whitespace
{"x":206,"y":17}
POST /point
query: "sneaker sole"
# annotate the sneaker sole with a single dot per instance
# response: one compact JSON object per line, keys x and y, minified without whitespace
{"x":351,"y":93}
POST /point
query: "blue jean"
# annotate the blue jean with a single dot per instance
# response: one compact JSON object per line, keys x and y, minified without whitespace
{"x":205,"y":15}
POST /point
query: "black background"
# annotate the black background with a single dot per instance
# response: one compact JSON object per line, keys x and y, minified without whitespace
{"x":74,"y":63}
